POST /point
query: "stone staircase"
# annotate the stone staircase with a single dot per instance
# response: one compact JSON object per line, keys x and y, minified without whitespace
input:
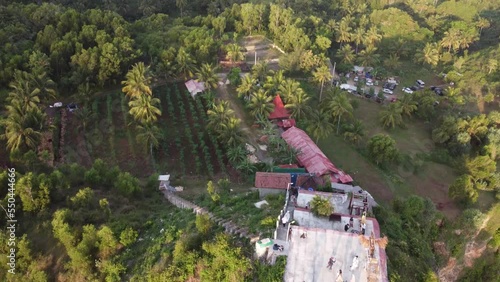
{"x":228,"y":225}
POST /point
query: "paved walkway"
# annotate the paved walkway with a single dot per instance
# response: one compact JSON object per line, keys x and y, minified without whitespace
{"x":282,"y":230}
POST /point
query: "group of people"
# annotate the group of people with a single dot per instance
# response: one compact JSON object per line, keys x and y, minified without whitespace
{"x":362,"y":224}
{"x":354,"y":266}
{"x":277,"y":247}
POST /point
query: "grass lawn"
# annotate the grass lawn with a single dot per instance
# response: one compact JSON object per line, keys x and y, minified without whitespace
{"x":428,"y":180}
{"x":410,"y":72}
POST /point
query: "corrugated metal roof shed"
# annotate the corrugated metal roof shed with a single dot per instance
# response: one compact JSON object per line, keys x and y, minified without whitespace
{"x":311,"y":157}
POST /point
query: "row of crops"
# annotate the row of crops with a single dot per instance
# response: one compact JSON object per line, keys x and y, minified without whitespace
{"x":194,"y":144}
{"x":186,"y":147}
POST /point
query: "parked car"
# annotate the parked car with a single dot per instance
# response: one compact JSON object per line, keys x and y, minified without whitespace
{"x":388,"y":91}
{"x":356,"y":79}
{"x":391,"y":80}
{"x":369,"y":82}
{"x":390,"y":86}
{"x":420,"y":83}
{"x":413,"y":88}
{"x":407,"y":90}
{"x":72,"y":107}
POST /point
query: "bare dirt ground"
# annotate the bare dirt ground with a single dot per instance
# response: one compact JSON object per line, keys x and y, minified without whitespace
{"x":263,"y":47}
{"x":473,"y":250}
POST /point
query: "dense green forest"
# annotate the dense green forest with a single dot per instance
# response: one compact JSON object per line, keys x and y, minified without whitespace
{"x":99,"y":216}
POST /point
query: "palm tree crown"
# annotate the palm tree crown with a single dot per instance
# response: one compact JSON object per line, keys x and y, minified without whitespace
{"x":322,"y":75}
{"x":206,"y":73}
{"x":340,"y":107}
{"x":298,"y":104}
{"x":246,"y":87}
{"x":219,"y":115}
{"x":260,"y":104}
{"x":320,"y":124}
{"x":391,"y":116}
{"x":234,"y":53}
{"x":137,"y":81}
{"x":144,"y":110}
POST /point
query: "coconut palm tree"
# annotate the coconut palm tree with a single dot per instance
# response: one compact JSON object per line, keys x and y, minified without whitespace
{"x":274,"y":81}
{"x":181,"y":4}
{"x":84,"y":93}
{"x":246,"y":87}
{"x":246,"y":167}
{"x":340,"y":107}
{"x":343,"y":32}
{"x":230,"y":132}
{"x":23,"y":93}
{"x":368,"y":57}
{"x":261,"y":104}
{"x":391,"y":116}
{"x":320,"y":124}
{"x":236,"y":154}
{"x":260,"y":70}
{"x":346,"y":54}
{"x":149,"y":135}
{"x":354,"y":132}
{"x":85,"y":116}
{"x":298,"y":105}
{"x":392,"y":62}
{"x":429,"y":55}
{"x":185,"y":64}
{"x":322,"y":75}
{"x":372,"y":36}
{"x":408,"y":105}
{"x":288,"y":89}
{"x":219,"y":115}
{"x":206,"y":74}
{"x":42,"y":82}
{"x":358,"y":37}
{"x":137,"y":81}
{"x":144,"y":109}
{"x":234,"y":53}
{"x":482,"y":23}
{"x":22,"y":129}
{"x":451,"y":39}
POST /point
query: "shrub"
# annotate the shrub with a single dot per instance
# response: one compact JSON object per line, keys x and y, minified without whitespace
{"x":92,"y":177}
{"x":472,"y":219}
{"x":321,"y":206}
{"x":496,"y":238}
{"x":382,"y":149}
{"x":127,"y":184}
{"x":234,"y":76}
{"x":128,"y":236}
{"x":83,"y":198}
{"x":203,"y":223}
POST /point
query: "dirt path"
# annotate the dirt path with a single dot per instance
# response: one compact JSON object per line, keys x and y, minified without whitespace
{"x":251,"y":133}
{"x":473,"y":250}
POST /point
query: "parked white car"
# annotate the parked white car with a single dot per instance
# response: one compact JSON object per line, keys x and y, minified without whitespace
{"x":388,"y":91}
{"x":392,"y":80}
{"x":356,"y":79}
{"x":407,"y":90}
{"x":369,"y":82}
{"x":349,"y":88}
